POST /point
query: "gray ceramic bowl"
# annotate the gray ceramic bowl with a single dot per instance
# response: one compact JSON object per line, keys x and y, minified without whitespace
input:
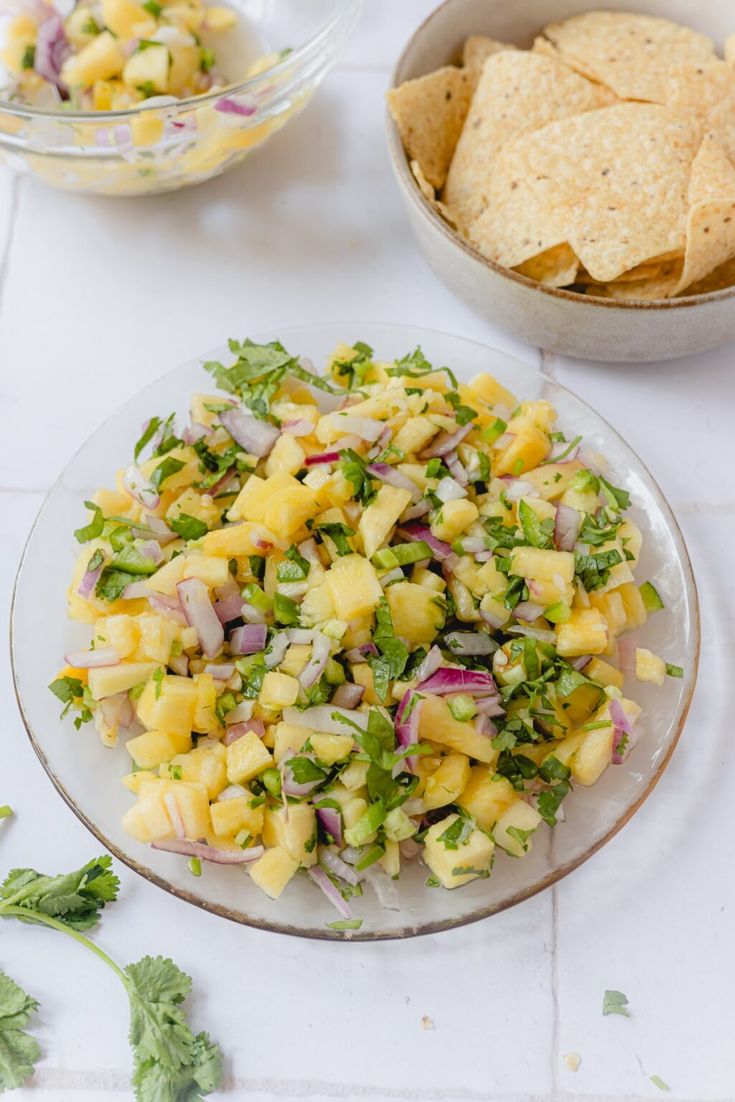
{"x":575,"y":325}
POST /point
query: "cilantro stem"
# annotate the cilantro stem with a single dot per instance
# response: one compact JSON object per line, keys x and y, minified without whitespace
{"x":7,"y":910}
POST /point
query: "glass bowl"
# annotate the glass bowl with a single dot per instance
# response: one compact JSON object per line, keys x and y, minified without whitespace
{"x":148,"y":149}
{"x":85,"y":772}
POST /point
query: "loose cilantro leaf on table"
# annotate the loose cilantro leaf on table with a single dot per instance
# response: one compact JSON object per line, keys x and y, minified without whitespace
{"x":19,"y":1051}
{"x":615,"y":1002}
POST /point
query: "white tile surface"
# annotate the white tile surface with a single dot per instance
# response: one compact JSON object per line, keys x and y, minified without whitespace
{"x":101,"y":296}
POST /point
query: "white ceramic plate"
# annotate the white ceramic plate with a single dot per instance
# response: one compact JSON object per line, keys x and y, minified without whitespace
{"x":85,"y":773}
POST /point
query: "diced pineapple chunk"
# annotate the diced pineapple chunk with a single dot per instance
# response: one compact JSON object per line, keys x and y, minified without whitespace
{"x":153,"y":747}
{"x":101,"y":59}
{"x":462,"y":863}
{"x":453,"y":518}
{"x":156,"y":637}
{"x":148,"y":66}
{"x":273,"y":870}
{"x":127,"y":19}
{"x":168,"y":705}
{"x":486,"y":796}
{"x":278,"y":690}
{"x":541,"y":565}
{"x":236,"y":540}
{"x":491,"y":391}
{"x":204,"y":766}
{"x":416,"y":612}
{"x":414,"y":435}
{"x":635,"y":610}
{"x":527,"y":448}
{"x":192,"y":803}
{"x":246,"y":757}
{"x":602,"y":672}
{"x":585,"y":632}
{"x":355,"y":775}
{"x":107,"y":680}
{"x":363,"y":675}
{"x":353,"y":586}
{"x":148,"y":819}
{"x":450,"y":779}
{"x":205,"y":719}
{"x":332,"y":748}
{"x":288,"y":737}
{"x":649,"y":667}
{"x":437,"y":724}
{"x":379,"y":517}
{"x":287,"y":454}
{"x":119,"y":632}
{"x":318,"y":605}
{"x":195,"y":504}
{"x":294,"y":830}
{"x":229,"y":817}
{"x":514,"y":828}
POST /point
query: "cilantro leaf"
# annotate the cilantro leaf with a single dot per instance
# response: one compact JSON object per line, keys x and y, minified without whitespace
{"x":95,"y":528}
{"x":594,"y":570}
{"x":18,"y":1050}
{"x":457,"y":832}
{"x":75,"y":898}
{"x":164,"y":470}
{"x":338,"y":534}
{"x":113,"y":583}
{"x":538,"y":532}
{"x":615,"y":1002}
{"x":188,"y":527}
{"x":549,"y":802}
{"x":616,"y":498}
{"x":393,"y":652}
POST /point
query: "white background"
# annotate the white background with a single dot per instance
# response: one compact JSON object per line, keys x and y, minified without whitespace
{"x":97,"y":297}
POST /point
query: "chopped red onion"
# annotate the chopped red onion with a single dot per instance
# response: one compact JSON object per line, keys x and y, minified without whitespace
{"x":220,"y":671}
{"x":300,"y":636}
{"x":200,"y":614}
{"x":361,"y":653}
{"x":473,"y":545}
{"x":410,"y":849}
{"x":528,"y":611}
{"x":244,"y":106}
{"x":248,"y":639}
{"x":348,"y":695}
{"x":310,"y":551}
{"x":289,"y":785}
{"x":449,"y":680}
{"x":194,"y":432}
{"x":392,"y":477}
{"x":626,"y":655}
{"x":560,"y":448}
{"x":89,"y":581}
{"x":117,"y":710}
{"x":456,"y":469}
{"x":159,"y":530}
{"x":385,"y":888}
{"x":484,"y":725}
{"x":470,"y":642}
{"x":407,"y":725}
{"x":206,"y":852}
{"x":415,"y":531}
{"x":139,"y":489}
{"x":276,"y":651}
{"x":413,"y":512}
{"x":256,"y":437}
{"x":322,"y":718}
{"x":239,"y":730}
{"x":449,"y":489}
{"x":135,"y":590}
{"x":166,"y":606}
{"x":518,"y":488}
{"x":229,"y":608}
{"x":320,"y":878}
{"x":174,"y":814}
{"x":430,"y":664}
{"x":222,"y":483}
{"x":52,"y":49}
{"x":491,"y":618}
{"x":489,"y":706}
{"x":579,"y":663}
{"x":483,"y":556}
{"x":91,"y":659}
{"x":151,"y":550}
{"x":240,"y":713}
{"x":446,"y":442}
{"x":330,"y":819}
{"x":315,"y":667}
{"x":621,"y":728}
{"x":567,"y":524}
{"x":322,"y":457}
{"x":367,"y":428}
{"x":333,"y":862}
{"x":299,"y":427}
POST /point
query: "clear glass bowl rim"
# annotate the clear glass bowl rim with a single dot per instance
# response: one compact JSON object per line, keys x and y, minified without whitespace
{"x":342,"y":20}
{"x":417,"y":930}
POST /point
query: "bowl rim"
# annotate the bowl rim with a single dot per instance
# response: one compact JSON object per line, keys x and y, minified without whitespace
{"x":342,"y":19}
{"x":401,"y":167}
{"x":409,"y":930}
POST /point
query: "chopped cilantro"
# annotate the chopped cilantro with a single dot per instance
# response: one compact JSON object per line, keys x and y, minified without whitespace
{"x":338,"y":534}
{"x":549,"y":802}
{"x":457,"y":832}
{"x":594,"y":570}
{"x":345,"y":924}
{"x":538,"y":532}
{"x":285,"y":610}
{"x":29,"y":57}
{"x":615,"y":1002}
{"x":674,"y":671}
{"x":164,"y":470}
{"x":95,"y":528}
{"x":188,"y":527}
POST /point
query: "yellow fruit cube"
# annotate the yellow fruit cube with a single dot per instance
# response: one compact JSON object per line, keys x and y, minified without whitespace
{"x":205,"y":719}
{"x":522,"y":820}
{"x":246,"y":757}
{"x":220,"y":18}
{"x":318,"y":605}
{"x":289,"y":504}
{"x":455,"y":863}
{"x":491,"y":391}
{"x":192,"y":804}
{"x":287,"y":454}
{"x":127,"y":19}
{"x":294,"y":830}
{"x":273,"y":870}
{"x":204,"y":766}
{"x":635,"y":610}
{"x":604,"y":673}
{"x":453,"y":518}
{"x":148,"y":67}
{"x":416,"y":611}
{"x":168,"y":705}
{"x":288,"y":737}
{"x":153,"y":747}
{"x":101,"y":59}
{"x":486,"y":796}
{"x":107,"y":680}
{"x":528,"y":447}
{"x":552,"y":480}
{"x":585,"y":632}
{"x":450,"y":779}
{"x":540,"y":565}
{"x":210,"y":569}
{"x":649,"y":667}
{"x":414,"y":435}
{"x":437,"y":724}
{"x":332,"y":748}
{"x":119,"y":632}
{"x":156,"y":635}
{"x":354,"y":776}
{"x":363,"y":675}
{"x":229,"y":817}
{"x":278,"y":690}
{"x":391,"y":859}
{"x":295,"y":659}
{"x":353,"y":586}
{"x":380,"y":516}
{"x":148,"y":819}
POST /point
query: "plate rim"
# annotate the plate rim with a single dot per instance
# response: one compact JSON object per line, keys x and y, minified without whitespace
{"x":410,"y":930}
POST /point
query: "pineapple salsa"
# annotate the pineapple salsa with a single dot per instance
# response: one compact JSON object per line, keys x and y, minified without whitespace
{"x":348,"y":633}
{"x":109,"y":55}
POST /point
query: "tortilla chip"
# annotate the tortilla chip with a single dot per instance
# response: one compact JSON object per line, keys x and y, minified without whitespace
{"x":730,"y":50}
{"x":518,"y":91}
{"x":668,"y":266}
{"x":698,"y":88}
{"x":646,"y":290}
{"x":475,"y":52}
{"x":611,"y":183}
{"x":721,"y":123}
{"x":429,"y":113}
{"x":556,"y":267}
{"x":429,"y":193}
{"x":711,"y":218}
{"x":719,"y":280}
{"x":632,"y":54}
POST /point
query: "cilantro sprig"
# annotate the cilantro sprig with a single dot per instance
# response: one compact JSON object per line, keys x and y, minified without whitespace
{"x":170,"y":1062}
